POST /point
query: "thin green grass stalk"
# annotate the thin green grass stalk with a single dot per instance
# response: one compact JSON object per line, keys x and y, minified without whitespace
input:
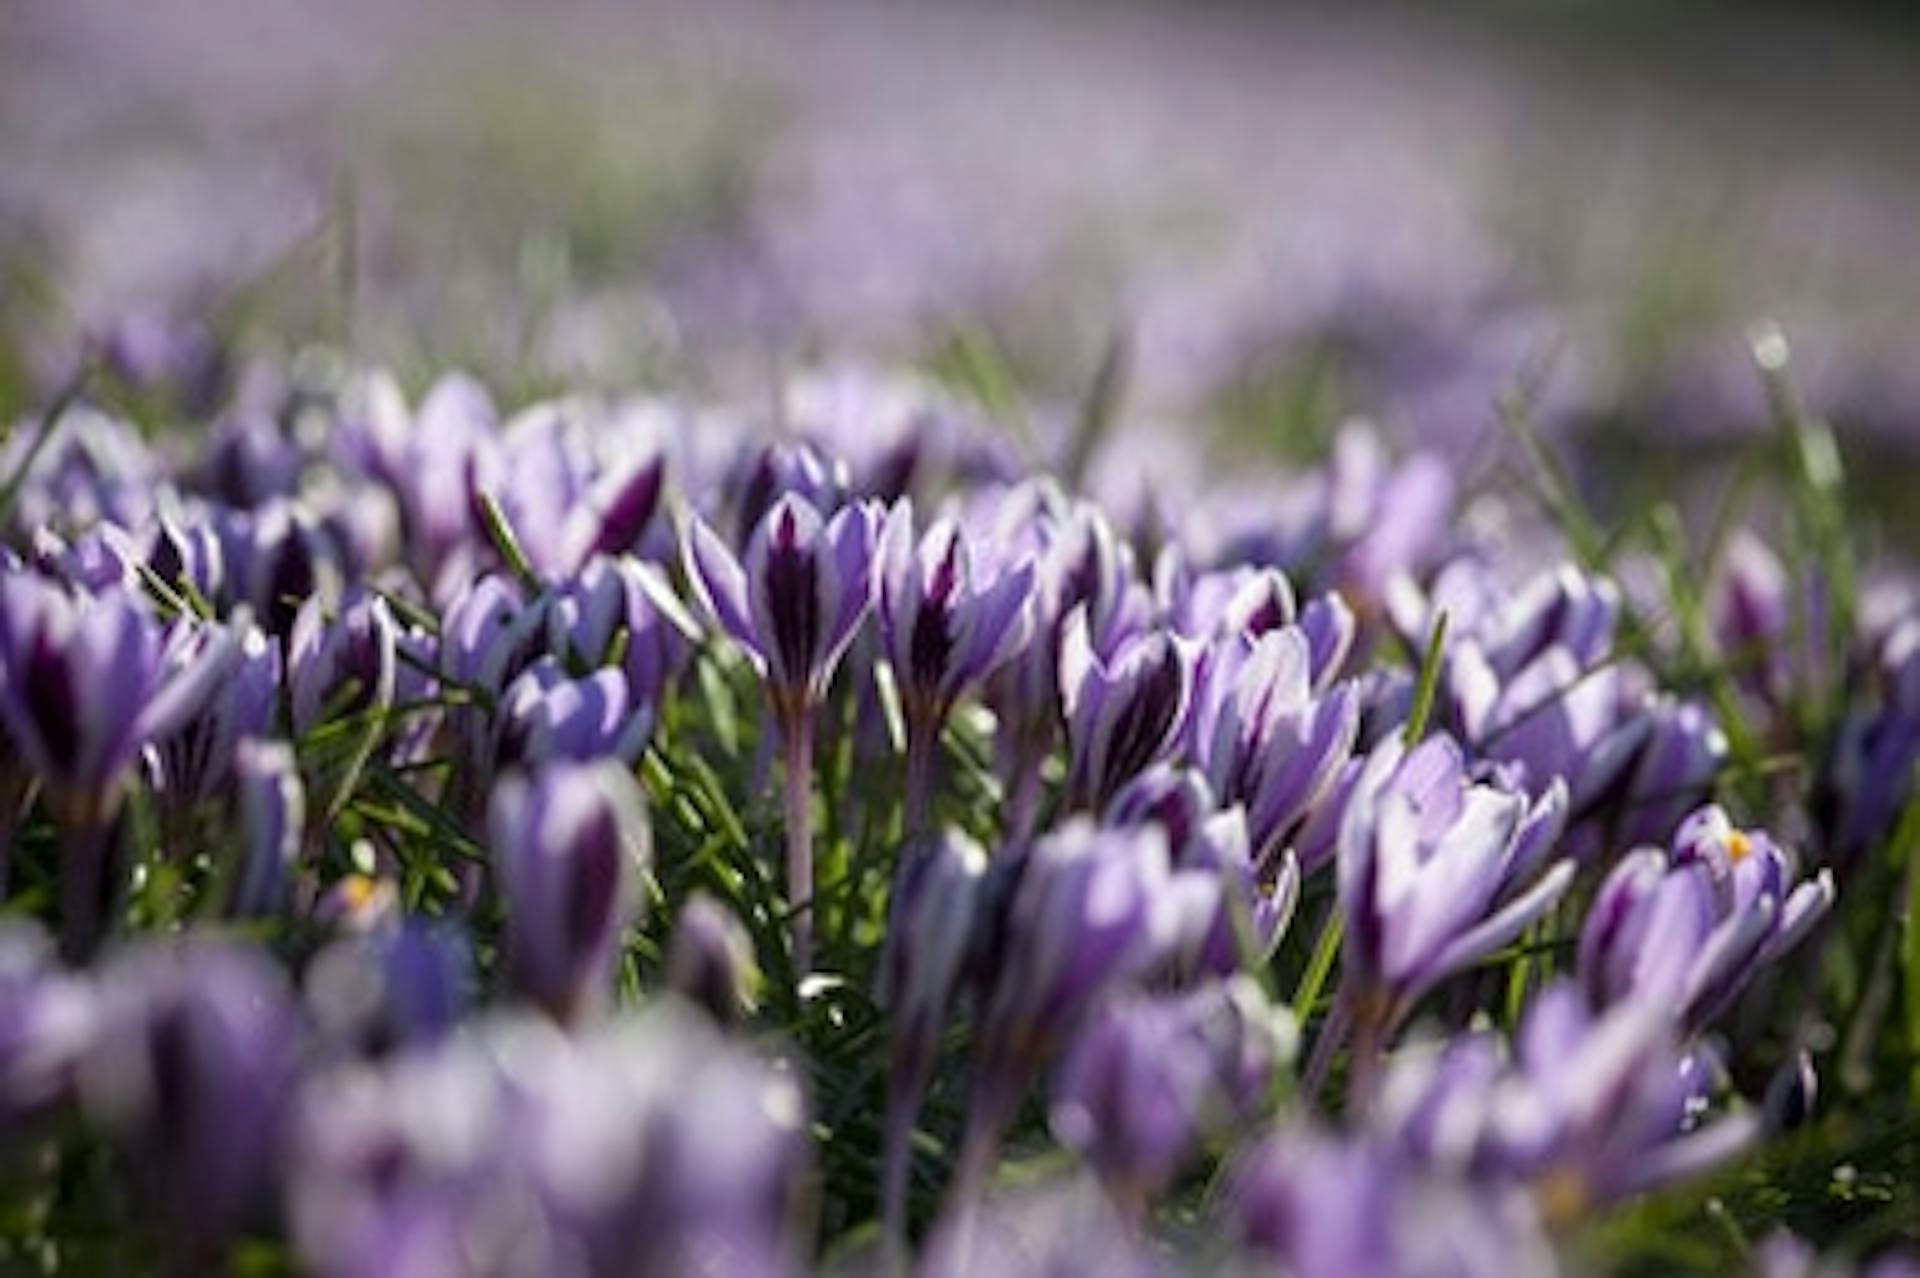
{"x":507,"y":543}
{"x":1429,"y":682}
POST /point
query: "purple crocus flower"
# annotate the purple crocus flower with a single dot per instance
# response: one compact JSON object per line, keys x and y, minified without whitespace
{"x":1867,"y":777}
{"x":569,"y":845}
{"x":930,"y":916}
{"x":1089,"y":915}
{"x":545,"y":715}
{"x":1750,"y":607}
{"x":1262,"y":736}
{"x":272,"y":810}
{"x":1435,"y":873}
{"x":1150,"y":1077}
{"x":277,"y":558}
{"x":1590,"y":1109}
{"x":793,"y":603}
{"x":1080,"y":565}
{"x":197,"y":757}
{"x":1124,"y":712}
{"x":617,"y":514}
{"x":1228,"y":912}
{"x":342,"y":671}
{"x":1685,"y":932}
{"x":192,"y":1069}
{"x":85,"y":682}
{"x":947,"y":621}
{"x":711,"y":963}
{"x":621,"y":612}
{"x":1319,"y":1206}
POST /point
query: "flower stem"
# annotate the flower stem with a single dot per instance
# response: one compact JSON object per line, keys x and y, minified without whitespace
{"x":902,"y":1102}
{"x":923,"y":741}
{"x":799,"y":812}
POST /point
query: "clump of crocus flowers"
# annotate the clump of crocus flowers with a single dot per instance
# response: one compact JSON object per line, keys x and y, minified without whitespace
{"x":436,"y":891}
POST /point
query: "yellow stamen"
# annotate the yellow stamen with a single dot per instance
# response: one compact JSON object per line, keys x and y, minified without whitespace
{"x":1739,"y":846}
{"x":1562,"y":1198}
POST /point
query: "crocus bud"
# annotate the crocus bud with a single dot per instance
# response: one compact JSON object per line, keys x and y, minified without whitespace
{"x":794,"y":599}
{"x":711,"y":963}
{"x":1090,"y":915}
{"x":1123,"y":713}
{"x":546,"y":716}
{"x":278,"y":559}
{"x":1265,"y":740}
{"x":1750,"y":607}
{"x":947,"y":622}
{"x":1149,"y":1078}
{"x":569,"y":845}
{"x":84,"y":683}
{"x":1687,"y":931}
{"x":617,"y":512}
{"x":341,"y":669}
{"x":197,"y":758}
{"x":272,"y":806}
{"x":192,"y":1070}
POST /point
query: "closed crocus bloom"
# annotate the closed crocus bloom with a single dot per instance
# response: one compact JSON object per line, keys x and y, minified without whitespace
{"x":1687,"y":931}
{"x":930,"y":918}
{"x":272,"y":812}
{"x":341,"y":663}
{"x":192,"y":1069}
{"x":1263,"y":737}
{"x":1435,"y":873}
{"x":277,"y":559}
{"x":1150,"y":1077}
{"x":342,"y":670}
{"x":85,"y":682}
{"x":569,"y":845}
{"x":1227,"y":601}
{"x":1589,"y":1110}
{"x":1124,"y":712}
{"x":1750,"y":606}
{"x":1671,"y":771}
{"x":545,"y":715}
{"x":619,"y":509}
{"x":763,"y":476}
{"x":197,"y":757}
{"x":794,"y":599}
{"x":793,"y":602}
{"x":946,"y":623}
{"x":1090,"y":915}
{"x":623,"y":613}
{"x":711,"y":963}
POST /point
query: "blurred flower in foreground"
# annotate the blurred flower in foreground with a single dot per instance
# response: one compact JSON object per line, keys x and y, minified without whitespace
{"x":793,"y":602}
{"x":1685,"y":932}
{"x":1590,"y":1109}
{"x":1089,"y":915}
{"x":569,"y":846}
{"x":1320,"y":1206}
{"x":930,"y":917}
{"x":1150,"y":1078}
{"x":649,"y":1148}
{"x":192,"y":1070}
{"x":48,"y":1018}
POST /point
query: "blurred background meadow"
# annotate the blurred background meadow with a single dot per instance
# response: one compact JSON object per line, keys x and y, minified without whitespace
{"x":1275,"y":217}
